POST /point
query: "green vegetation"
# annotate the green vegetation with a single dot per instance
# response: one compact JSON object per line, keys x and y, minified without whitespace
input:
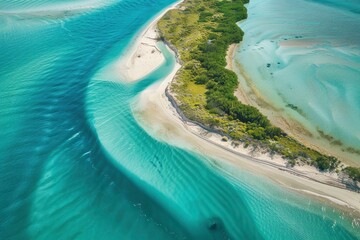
{"x":201,"y":31}
{"x":326,"y":163}
{"x":354,"y":173}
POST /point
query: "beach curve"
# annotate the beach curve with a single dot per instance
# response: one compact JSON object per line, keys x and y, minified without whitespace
{"x":168,"y":126}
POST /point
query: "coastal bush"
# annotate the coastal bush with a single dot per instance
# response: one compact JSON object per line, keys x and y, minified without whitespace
{"x":204,"y":16}
{"x":353,"y":172}
{"x":274,"y":132}
{"x":324,"y":163}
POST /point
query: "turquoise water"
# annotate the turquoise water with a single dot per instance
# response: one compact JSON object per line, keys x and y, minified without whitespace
{"x":75,"y":164}
{"x":307,"y":54}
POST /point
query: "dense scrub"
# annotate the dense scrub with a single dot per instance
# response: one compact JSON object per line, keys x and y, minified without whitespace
{"x":354,"y":173}
{"x":202,"y":31}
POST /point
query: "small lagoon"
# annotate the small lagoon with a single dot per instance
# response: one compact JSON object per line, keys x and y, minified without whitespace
{"x":303,"y":58}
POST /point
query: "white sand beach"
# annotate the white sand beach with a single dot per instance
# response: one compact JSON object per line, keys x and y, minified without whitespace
{"x":144,"y":57}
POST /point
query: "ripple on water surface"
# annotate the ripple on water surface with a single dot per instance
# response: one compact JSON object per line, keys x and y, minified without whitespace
{"x":76,"y":165}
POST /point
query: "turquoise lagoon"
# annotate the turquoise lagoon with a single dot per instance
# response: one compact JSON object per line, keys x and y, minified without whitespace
{"x":306,"y":54}
{"x":75,"y":164}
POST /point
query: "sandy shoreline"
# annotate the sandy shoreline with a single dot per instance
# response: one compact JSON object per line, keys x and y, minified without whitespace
{"x":248,"y":93}
{"x":166,"y":125}
{"x":159,"y":117}
{"x":144,"y":56}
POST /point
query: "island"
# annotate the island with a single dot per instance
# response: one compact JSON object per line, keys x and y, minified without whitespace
{"x":194,"y":106}
{"x":203,"y":34}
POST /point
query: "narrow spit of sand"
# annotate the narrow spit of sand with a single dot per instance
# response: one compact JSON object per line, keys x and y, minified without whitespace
{"x":144,"y":57}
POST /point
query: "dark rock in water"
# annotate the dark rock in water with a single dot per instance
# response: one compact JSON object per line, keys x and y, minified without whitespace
{"x":292,"y":106}
{"x":217,"y":229}
{"x":213,"y":226}
{"x":268,"y":65}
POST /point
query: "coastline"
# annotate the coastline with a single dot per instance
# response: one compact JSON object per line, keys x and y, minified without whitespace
{"x":248,"y":94}
{"x":143,"y":57}
{"x":168,"y":126}
{"x":299,"y":102}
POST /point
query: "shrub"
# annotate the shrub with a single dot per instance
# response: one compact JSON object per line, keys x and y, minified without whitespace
{"x":353,"y":172}
{"x":324,"y":163}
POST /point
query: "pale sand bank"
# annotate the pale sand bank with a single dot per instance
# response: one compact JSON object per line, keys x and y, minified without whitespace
{"x":144,"y":57}
{"x":230,"y":55}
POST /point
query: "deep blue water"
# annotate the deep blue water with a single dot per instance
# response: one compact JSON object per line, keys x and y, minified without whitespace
{"x":76,"y":165}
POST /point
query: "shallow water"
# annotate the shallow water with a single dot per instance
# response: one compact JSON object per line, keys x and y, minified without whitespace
{"x":76,"y":165}
{"x":306,"y":54}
